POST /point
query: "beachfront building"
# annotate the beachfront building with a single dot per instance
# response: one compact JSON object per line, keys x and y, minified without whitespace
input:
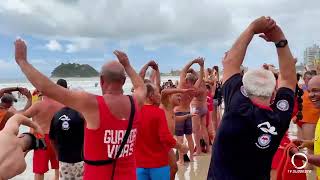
{"x":311,"y":54}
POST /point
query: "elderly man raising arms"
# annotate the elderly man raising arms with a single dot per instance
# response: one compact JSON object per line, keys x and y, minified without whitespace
{"x":252,"y":128}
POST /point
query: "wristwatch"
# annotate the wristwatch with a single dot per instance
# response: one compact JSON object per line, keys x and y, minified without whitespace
{"x":281,"y":43}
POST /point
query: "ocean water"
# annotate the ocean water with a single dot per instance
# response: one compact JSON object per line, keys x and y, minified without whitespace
{"x":87,"y":84}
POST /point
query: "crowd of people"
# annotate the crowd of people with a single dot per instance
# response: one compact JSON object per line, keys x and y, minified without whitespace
{"x":156,"y":129}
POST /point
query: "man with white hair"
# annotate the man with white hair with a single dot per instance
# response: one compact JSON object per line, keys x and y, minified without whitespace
{"x":252,"y":128}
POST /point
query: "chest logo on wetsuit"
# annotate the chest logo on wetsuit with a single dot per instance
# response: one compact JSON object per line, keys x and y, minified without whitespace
{"x":65,"y":125}
{"x":243,"y":91}
{"x":283,"y":105}
{"x":264,"y":141}
{"x":267,"y":128}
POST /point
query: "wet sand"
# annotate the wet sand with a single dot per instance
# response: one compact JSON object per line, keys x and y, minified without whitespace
{"x":190,"y":171}
{"x":196,"y":170}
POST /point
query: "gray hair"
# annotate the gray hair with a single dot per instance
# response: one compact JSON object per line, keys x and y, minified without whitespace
{"x":191,"y":78}
{"x":259,"y":83}
{"x":112,"y":76}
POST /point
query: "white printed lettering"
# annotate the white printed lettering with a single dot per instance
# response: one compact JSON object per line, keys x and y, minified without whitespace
{"x":107,"y":137}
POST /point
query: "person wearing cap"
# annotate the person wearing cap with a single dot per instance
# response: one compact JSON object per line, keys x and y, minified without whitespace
{"x":42,"y":112}
{"x":7,"y":100}
{"x":67,"y":135}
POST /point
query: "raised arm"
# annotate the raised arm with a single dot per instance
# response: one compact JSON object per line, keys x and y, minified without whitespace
{"x":8,"y":90}
{"x":140,"y":91}
{"x":81,"y":101}
{"x":184,"y":72}
{"x":13,"y":124}
{"x":26,"y":93}
{"x":287,"y":62}
{"x":33,"y":110}
{"x":167,"y":92}
{"x":235,"y":56}
{"x":143,"y":70}
{"x":200,"y":61}
{"x":155,"y":75}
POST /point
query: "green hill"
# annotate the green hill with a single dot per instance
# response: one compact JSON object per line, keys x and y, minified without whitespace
{"x":74,"y":70}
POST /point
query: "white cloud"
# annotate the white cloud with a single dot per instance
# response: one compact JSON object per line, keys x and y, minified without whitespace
{"x":6,"y":65}
{"x":166,"y":21}
{"x":80,"y":44}
{"x":54,"y":45}
{"x":183,"y":23}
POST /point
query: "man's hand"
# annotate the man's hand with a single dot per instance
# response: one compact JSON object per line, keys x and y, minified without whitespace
{"x":20,"y":51}
{"x":38,"y":131}
{"x":153,"y":65}
{"x":303,"y":143}
{"x":122,"y":57}
{"x":262,"y":25}
{"x":25,"y":91}
{"x":293,"y":151}
{"x":184,"y":149}
{"x":297,"y":142}
{"x":189,"y":91}
{"x":275,"y":35}
{"x":199,"y":61}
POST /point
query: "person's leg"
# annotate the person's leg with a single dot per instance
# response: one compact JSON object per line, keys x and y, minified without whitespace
{"x":56,"y":174}
{"x":214,"y":118}
{"x":213,"y":126}
{"x":162,"y":173}
{"x":179,"y":132}
{"x":188,"y":133}
{"x":78,"y":171}
{"x":205,"y":133}
{"x":143,"y":174}
{"x":53,"y":158}
{"x":40,"y":164}
{"x":38,"y":176}
{"x":173,"y":164}
{"x":196,"y":121}
{"x":181,"y":160}
{"x":273,"y":174}
{"x":65,"y":171}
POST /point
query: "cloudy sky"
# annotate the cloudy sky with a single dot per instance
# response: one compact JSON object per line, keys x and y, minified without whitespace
{"x":170,"y":31}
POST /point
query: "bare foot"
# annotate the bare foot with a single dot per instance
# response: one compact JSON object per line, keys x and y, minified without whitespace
{"x":180,"y":163}
{"x":197,"y":153}
{"x":191,"y":158}
{"x":208,"y":151}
